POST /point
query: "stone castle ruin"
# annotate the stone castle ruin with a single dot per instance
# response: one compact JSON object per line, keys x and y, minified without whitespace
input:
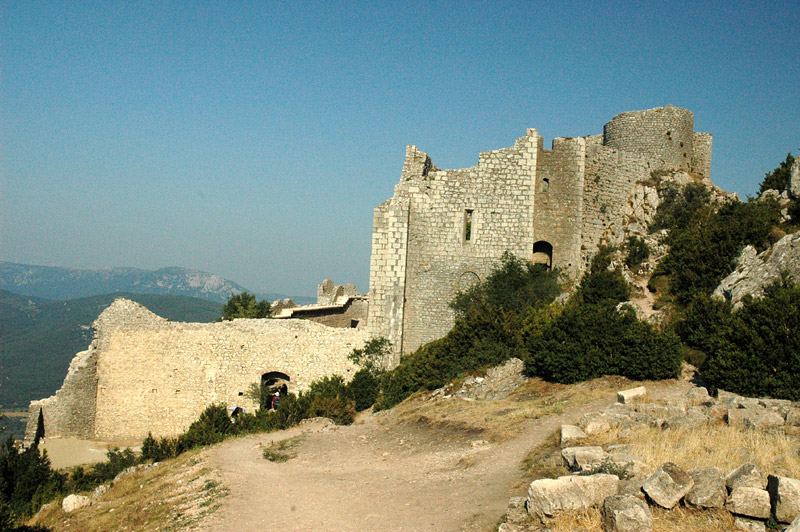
{"x":441,"y":232}
{"x":444,"y":230}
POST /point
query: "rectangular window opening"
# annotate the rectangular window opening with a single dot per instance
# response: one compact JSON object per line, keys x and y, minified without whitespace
{"x":468,"y":225}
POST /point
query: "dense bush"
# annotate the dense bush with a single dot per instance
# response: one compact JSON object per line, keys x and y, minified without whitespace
{"x":364,"y":389}
{"x":513,"y":285}
{"x":754,"y":350}
{"x":330,"y":397}
{"x":492,"y":319}
{"x":638,"y":252}
{"x":778,"y":179}
{"x":602,"y":285}
{"x":704,"y":252}
{"x":588,"y":341}
{"x":26,"y":480}
{"x":679,"y":205}
{"x":82,"y":479}
{"x":591,"y":338}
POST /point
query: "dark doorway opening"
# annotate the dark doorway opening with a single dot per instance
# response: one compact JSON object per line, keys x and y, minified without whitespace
{"x":543,"y":253}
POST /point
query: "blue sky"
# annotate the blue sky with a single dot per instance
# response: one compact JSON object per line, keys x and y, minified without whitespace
{"x":253,"y":139}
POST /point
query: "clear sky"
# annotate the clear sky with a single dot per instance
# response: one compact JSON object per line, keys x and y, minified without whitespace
{"x":253,"y":139}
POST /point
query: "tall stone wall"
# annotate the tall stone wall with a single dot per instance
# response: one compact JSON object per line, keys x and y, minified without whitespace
{"x":701,"y":159}
{"x":156,"y":376}
{"x":387,"y":272}
{"x":609,"y":181}
{"x":445,"y":229}
{"x":558,"y":205}
{"x":459,"y":224}
{"x":664,"y":136}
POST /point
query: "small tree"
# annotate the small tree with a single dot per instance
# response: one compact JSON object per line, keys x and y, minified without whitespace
{"x":778,"y":179}
{"x":244,"y":305}
{"x":373,"y":354}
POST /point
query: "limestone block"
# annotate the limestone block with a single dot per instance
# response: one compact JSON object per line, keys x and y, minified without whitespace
{"x":694,"y":417}
{"x":74,"y":502}
{"x":547,"y":497}
{"x":794,"y":527}
{"x":757,"y":418}
{"x":628,"y":396}
{"x":698,"y":394}
{"x":708,"y":490}
{"x":751,"y":525}
{"x":746,"y":475}
{"x":593,"y":424}
{"x":793,"y":417}
{"x":667,"y":486}
{"x":581,"y":458}
{"x":626,"y":513}
{"x":785,"y":494}
{"x":749,"y":502}
{"x":570,"y":435}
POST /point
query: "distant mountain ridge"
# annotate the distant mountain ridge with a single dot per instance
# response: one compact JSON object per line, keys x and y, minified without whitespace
{"x":53,"y":282}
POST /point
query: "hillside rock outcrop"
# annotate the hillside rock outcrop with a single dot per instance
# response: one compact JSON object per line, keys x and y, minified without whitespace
{"x":756,"y":270}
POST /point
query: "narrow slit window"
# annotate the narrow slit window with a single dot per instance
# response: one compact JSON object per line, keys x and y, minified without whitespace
{"x":468,"y":225}
{"x":546,"y":184}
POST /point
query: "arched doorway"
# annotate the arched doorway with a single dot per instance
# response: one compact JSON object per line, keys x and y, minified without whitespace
{"x":275,"y":381}
{"x":543,"y":253}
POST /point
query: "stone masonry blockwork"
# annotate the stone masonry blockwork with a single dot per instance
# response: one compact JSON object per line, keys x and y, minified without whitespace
{"x":144,"y":374}
{"x":444,"y":230}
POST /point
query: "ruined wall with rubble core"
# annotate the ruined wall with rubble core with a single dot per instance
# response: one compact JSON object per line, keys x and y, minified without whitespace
{"x":456,"y":225}
{"x":157,"y":376}
{"x":558,"y":204}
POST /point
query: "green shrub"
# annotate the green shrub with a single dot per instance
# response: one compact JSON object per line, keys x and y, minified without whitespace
{"x":511,"y":287}
{"x":705,"y":251}
{"x":589,"y":341}
{"x":601,"y":285}
{"x":492,"y":319}
{"x":778,"y":179}
{"x":364,"y":389}
{"x":211,"y":427}
{"x":679,"y":205}
{"x":330,"y":397}
{"x":755,"y":350}
{"x":372,"y":355}
{"x":638,"y":252}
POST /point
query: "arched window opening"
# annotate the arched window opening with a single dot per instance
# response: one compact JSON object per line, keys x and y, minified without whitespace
{"x":543,"y":253}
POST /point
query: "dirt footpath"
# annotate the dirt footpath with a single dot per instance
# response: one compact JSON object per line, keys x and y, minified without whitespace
{"x":375,"y":475}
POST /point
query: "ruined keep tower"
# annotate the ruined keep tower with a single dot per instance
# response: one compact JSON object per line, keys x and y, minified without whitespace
{"x":444,"y":230}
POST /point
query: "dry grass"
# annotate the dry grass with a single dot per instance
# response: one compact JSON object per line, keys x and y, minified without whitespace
{"x":501,"y":419}
{"x":283,"y":450}
{"x":721,"y":446}
{"x":676,"y":520}
{"x":172,"y":496}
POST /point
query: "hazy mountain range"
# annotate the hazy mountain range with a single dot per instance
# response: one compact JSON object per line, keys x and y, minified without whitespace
{"x":53,"y":282}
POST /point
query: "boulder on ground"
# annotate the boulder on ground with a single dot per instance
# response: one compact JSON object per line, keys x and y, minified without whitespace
{"x":698,"y":395}
{"x":749,"y":502}
{"x":626,"y":513}
{"x":746,"y":476}
{"x":667,"y":486}
{"x":582,"y":458}
{"x":750,"y":525}
{"x":74,"y":502}
{"x":549,"y":496}
{"x":595,"y":424}
{"x":694,"y":417}
{"x":626,"y":397}
{"x":794,"y":527}
{"x":785,"y":494}
{"x":708,"y":490}
{"x":793,"y":417}
{"x":570,"y":435}
{"x":756,"y":418}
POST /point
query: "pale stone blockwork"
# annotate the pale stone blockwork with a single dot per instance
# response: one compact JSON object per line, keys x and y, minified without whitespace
{"x":444,"y":230}
{"x":144,"y":374}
